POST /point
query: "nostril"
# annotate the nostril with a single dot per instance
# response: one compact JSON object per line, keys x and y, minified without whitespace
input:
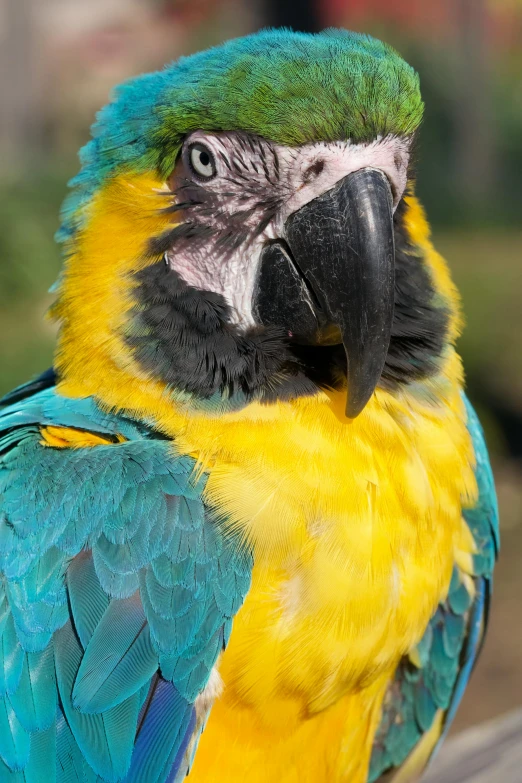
{"x":313,"y":171}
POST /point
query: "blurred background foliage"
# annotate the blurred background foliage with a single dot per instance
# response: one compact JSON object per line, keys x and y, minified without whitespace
{"x":59,"y":60}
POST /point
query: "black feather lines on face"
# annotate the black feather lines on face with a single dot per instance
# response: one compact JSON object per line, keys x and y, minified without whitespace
{"x":218,"y":222}
{"x":184,"y":337}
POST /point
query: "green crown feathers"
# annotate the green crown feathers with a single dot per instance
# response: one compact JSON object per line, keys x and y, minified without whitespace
{"x":291,"y":88}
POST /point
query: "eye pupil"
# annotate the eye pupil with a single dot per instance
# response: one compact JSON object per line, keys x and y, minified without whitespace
{"x":201,"y":161}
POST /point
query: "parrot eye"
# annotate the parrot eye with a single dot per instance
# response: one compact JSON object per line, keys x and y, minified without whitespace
{"x":201,"y":161}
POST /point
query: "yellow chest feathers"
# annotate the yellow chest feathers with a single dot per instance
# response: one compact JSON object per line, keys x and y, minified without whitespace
{"x":355,"y":527}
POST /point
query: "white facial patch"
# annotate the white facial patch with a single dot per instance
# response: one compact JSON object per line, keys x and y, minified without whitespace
{"x":313,"y":169}
{"x":256,"y":187}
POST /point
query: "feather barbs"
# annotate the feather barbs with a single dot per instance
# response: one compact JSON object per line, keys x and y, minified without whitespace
{"x":68,"y":437}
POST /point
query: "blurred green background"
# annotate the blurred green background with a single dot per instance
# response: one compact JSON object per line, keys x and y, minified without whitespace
{"x":58,"y":62}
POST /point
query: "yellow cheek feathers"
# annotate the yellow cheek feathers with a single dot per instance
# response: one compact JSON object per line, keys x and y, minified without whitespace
{"x":95,"y":295}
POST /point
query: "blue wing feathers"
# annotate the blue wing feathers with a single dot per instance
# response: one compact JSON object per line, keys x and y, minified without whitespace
{"x":15,"y":741}
{"x":105,"y":740}
{"x":113,"y":595}
{"x":119,"y":659}
{"x":87,"y":598}
{"x":471,"y":649}
{"x":34,"y":700}
{"x":115,"y":585}
{"x":13,"y":658}
{"x":41,"y":767}
{"x":166,"y":727}
{"x":483,"y":518}
{"x":71,"y":766}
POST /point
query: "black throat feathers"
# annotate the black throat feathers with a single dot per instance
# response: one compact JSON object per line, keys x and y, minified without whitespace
{"x":183,"y":336}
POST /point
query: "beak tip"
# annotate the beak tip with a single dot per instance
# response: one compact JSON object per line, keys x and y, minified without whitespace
{"x":358,"y":397}
{"x":363,"y":378}
{"x":354,"y":407}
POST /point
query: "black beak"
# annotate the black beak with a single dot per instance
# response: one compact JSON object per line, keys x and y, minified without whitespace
{"x":337,"y":277}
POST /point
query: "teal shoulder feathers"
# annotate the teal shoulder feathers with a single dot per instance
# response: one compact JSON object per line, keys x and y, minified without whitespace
{"x":436,"y":681}
{"x":117,"y":595}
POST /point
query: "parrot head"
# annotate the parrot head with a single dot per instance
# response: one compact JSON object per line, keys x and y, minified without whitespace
{"x":232,"y":233}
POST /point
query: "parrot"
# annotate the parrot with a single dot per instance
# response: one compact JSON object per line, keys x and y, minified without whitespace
{"x":248,"y":522}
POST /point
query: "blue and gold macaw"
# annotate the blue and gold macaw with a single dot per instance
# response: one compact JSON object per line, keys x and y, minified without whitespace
{"x":252,"y":481}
